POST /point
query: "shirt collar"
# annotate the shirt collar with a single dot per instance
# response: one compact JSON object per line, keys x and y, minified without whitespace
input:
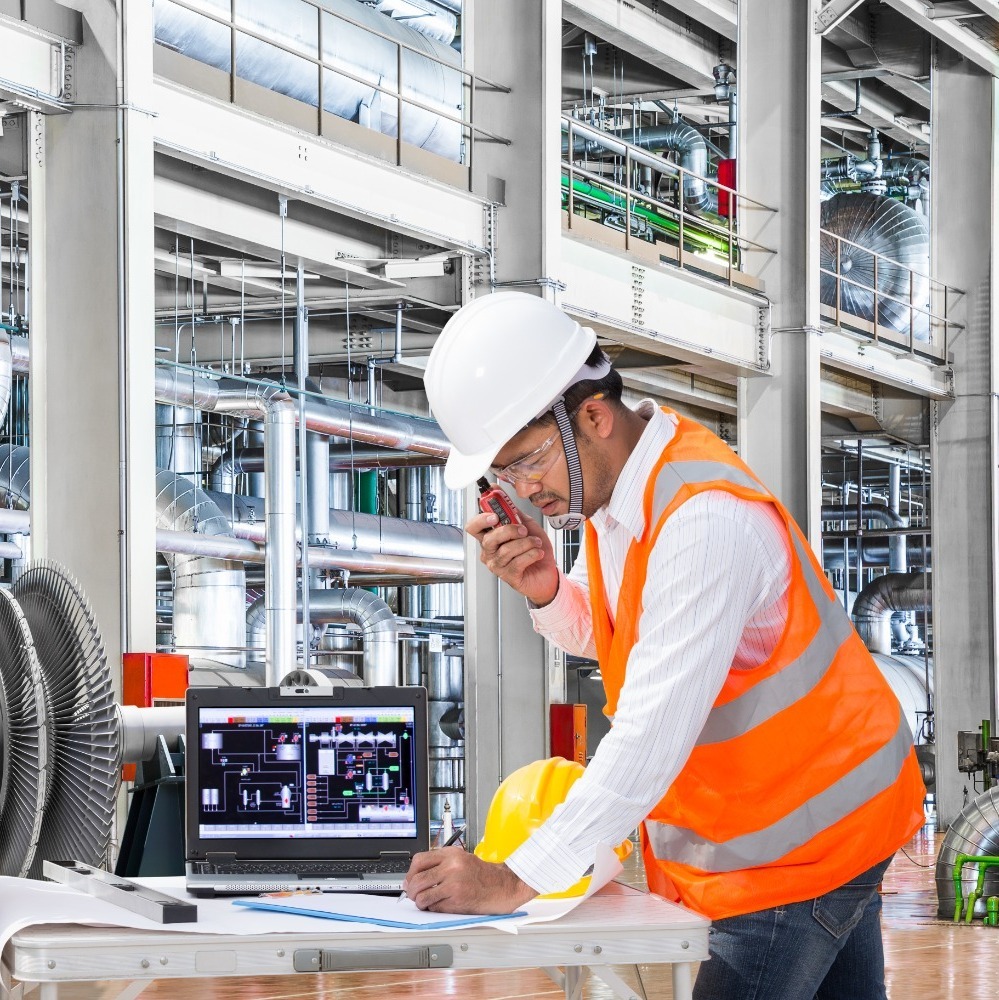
{"x":625,"y":507}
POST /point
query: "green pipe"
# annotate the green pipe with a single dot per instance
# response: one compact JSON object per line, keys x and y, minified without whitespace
{"x":691,"y":234}
{"x":366,"y":498}
{"x":984,"y":862}
{"x":992,"y":911}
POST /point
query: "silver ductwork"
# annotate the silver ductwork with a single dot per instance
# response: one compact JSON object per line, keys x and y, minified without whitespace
{"x":6,"y":371}
{"x":208,"y":590}
{"x":975,"y":831}
{"x":435,"y":20}
{"x":677,"y":137}
{"x":380,"y":628}
{"x":372,"y":568}
{"x":874,"y":552}
{"x":882,"y":597}
{"x":354,"y":48}
{"x":332,"y":417}
{"x":338,"y":458}
{"x":868,"y":512}
{"x":886,"y":227}
{"x":15,"y":477}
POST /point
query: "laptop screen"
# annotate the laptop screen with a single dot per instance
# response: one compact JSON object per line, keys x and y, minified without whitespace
{"x":267,"y":768}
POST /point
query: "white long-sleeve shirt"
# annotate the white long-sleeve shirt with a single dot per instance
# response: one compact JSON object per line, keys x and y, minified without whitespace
{"x":715,"y":597}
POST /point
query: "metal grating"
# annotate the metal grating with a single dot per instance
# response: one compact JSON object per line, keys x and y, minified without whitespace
{"x":24,"y":742}
{"x":79,"y":696}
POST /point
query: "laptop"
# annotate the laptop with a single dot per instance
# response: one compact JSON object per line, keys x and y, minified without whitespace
{"x":305,"y":788}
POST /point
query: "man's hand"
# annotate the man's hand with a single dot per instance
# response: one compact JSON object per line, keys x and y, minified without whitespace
{"x":451,"y":880}
{"x":519,"y":554}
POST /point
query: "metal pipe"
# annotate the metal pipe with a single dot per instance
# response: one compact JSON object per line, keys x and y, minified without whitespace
{"x":139,"y":728}
{"x":380,"y":627}
{"x":332,"y":417}
{"x":897,"y":549}
{"x":340,"y":457}
{"x":677,"y":137}
{"x":420,"y":569}
{"x":302,"y":371}
{"x":868,"y":512}
{"x":209,"y":584}
{"x":876,"y":603}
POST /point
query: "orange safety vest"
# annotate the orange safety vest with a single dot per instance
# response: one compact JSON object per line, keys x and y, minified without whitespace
{"x":804,"y":774}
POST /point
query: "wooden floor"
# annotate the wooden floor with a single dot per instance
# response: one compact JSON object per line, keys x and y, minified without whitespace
{"x":927,"y":959}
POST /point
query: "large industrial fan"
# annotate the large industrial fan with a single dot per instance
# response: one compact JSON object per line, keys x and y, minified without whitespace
{"x":62,"y":737}
{"x":24,"y":741}
{"x":872,"y":224}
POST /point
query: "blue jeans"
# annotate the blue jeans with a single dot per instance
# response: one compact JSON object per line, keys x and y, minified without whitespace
{"x":828,"y":948}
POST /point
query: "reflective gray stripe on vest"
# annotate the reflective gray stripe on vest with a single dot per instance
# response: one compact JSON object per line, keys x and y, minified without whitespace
{"x":673,"y":476}
{"x":775,"y":693}
{"x":874,"y":775}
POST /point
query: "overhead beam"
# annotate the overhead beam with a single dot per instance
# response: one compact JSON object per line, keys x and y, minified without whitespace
{"x":990,"y":7}
{"x":843,"y":96}
{"x":833,"y":13}
{"x":652,"y":40}
{"x":963,"y":42}
{"x":718,"y":15}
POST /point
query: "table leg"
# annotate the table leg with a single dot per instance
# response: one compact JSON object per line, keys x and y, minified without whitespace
{"x":682,"y":982}
{"x":575,"y":976}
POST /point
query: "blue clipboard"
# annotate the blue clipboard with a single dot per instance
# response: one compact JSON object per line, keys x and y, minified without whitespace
{"x":408,"y":925}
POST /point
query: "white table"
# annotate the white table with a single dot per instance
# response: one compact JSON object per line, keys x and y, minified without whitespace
{"x":617,"y":926}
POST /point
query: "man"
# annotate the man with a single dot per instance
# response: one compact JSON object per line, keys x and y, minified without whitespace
{"x":754,"y":739}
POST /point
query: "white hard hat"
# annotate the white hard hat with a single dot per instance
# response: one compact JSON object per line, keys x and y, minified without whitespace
{"x":500,"y":361}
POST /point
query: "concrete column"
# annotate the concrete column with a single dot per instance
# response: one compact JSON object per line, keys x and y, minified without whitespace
{"x":963,"y":217}
{"x":779,"y":84}
{"x":92,"y":408}
{"x":516,"y":43}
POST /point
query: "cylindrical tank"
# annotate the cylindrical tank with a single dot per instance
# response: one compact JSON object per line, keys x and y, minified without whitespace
{"x":346,"y":47}
{"x":906,"y":675}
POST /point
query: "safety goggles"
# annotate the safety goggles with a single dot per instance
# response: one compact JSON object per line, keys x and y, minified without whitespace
{"x":532,"y":467}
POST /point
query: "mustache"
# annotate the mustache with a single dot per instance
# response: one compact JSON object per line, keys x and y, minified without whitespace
{"x":540,"y":499}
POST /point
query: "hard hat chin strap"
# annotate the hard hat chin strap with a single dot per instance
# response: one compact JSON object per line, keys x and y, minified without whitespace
{"x":574,"y":518}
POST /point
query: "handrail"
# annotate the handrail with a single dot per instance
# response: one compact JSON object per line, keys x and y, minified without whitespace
{"x":935,"y":319}
{"x":470,"y":81}
{"x":684,"y":219}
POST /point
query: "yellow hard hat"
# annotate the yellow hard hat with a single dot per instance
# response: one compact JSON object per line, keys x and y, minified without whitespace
{"x":522,"y":803}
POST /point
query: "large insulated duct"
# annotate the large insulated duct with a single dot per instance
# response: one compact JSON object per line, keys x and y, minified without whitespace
{"x":435,"y":20}
{"x":6,"y":371}
{"x":15,"y":477}
{"x":332,"y":417}
{"x":380,"y":628}
{"x":906,"y":676}
{"x":975,"y":831}
{"x":208,"y":592}
{"x":880,"y":599}
{"x":355,"y":48}
{"x":883,"y":226}
{"x":677,"y":137}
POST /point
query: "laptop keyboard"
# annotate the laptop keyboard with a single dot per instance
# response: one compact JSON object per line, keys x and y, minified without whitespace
{"x":391,"y":866}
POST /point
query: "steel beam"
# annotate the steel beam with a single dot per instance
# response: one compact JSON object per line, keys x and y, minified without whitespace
{"x":634,"y":29}
{"x":228,"y":141}
{"x":965,"y":438}
{"x":963,"y":42}
{"x":718,"y":15}
{"x":833,"y":12}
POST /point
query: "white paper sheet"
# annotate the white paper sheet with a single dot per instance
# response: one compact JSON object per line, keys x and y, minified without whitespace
{"x":25,"y":902}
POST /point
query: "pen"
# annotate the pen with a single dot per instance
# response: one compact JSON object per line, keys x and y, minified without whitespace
{"x":454,"y":837}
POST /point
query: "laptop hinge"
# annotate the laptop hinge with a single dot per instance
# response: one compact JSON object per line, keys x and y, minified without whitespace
{"x":220,"y":857}
{"x":395,"y":855}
